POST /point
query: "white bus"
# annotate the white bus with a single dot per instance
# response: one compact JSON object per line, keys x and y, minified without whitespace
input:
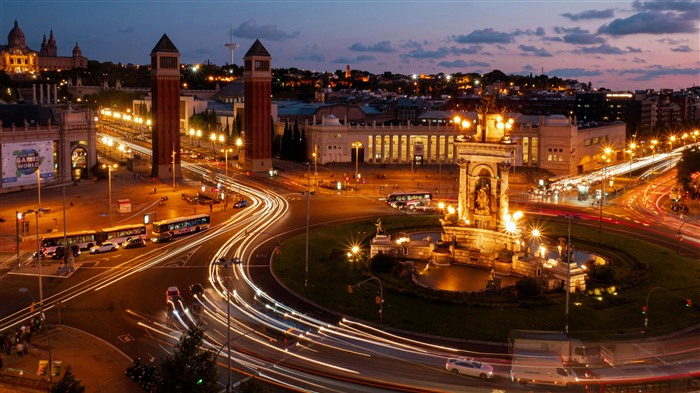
{"x":181,"y":225}
{"x":83,"y":239}
{"x":119,"y":234}
{"x":403,"y":200}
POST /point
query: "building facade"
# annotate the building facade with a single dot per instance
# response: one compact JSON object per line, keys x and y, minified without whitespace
{"x":56,"y":144}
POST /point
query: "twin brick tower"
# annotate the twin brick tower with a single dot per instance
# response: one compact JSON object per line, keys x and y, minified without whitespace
{"x":165,"y":92}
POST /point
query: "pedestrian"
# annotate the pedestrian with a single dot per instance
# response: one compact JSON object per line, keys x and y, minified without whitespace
{"x":211,"y":207}
{"x":2,"y":358}
{"x":20,"y":349}
{"x":8,"y":345}
{"x":154,"y":190}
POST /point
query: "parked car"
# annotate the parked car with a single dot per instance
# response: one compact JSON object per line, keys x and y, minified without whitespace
{"x":134,"y":242}
{"x":241,"y":203}
{"x":470,"y":367}
{"x":104,"y":247}
{"x":61,"y":251}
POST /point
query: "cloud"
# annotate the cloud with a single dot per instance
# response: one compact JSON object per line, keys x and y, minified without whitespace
{"x":578,"y":36}
{"x":354,"y":60}
{"x":539,"y":32}
{"x":420,"y":53}
{"x":683,"y":6}
{"x":249,"y":29}
{"x":682,"y":48}
{"x":470,"y":50}
{"x":651,"y":73}
{"x":590,"y":14}
{"x":382,"y":47}
{"x":485,"y":36}
{"x":126,"y":30}
{"x":459,"y":63}
{"x":573,"y":72}
{"x":314,"y":57}
{"x":604,"y":49}
{"x":653,"y":22}
{"x":411,"y":44}
{"x":531,"y":50}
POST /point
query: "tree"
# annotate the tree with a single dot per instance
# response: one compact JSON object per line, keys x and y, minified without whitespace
{"x":68,"y":384}
{"x":529,"y":287}
{"x":688,"y":167}
{"x":190,"y":368}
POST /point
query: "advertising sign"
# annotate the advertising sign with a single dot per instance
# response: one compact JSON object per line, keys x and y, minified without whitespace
{"x":21,"y":161}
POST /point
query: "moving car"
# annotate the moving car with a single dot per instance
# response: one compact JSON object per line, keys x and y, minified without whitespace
{"x":104,"y":247}
{"x":60,"y":251}
{"x":163,"y":238}
{"x":424,"y":207}
{"x":470,"y":367}
{"x":134,"y":242}
{"x":241,"y":203}
{"x":176,"y":305}
{"x":196,"y":289}
{"x":171,"y":292}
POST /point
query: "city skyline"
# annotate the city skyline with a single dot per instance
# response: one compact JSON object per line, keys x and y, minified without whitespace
{"x":619,"y":45}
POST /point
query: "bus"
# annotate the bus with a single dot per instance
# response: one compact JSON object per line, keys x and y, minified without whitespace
{"x":181,"y":225}
{"x":402,"y":199}
{"x":83,"y":239}
{"x":121,"y":233}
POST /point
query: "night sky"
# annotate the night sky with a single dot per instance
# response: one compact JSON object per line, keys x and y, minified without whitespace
{"x":620,"y":45}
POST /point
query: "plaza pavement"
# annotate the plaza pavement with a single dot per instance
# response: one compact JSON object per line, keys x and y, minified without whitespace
{"x":98,"y":364}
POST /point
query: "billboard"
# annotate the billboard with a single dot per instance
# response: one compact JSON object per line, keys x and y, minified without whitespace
{"x":20,"y":162}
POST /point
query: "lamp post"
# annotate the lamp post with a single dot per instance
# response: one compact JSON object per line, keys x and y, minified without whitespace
{"x":654,"y":142}
{"x":38,"y":185}
{"x":380,"y":301}
{"x":607,"y":151}
{"x":41,"y":287}
{"x":306,"y":252}
{"x":212,"y":137}
{"x":18,"y":216}
{"x":239,"y":144}
{"x":356,"y":145}
{"x":631,"y":150}
{"x":569,"y":256}
{"x":199,"y":138}
{"x":109,"y":185}
{"x":174,"y":153}
{"x":680,"y":234}
{"x":225,"y":151}
{"x":223,"y":262}
{"x":439,"y":175}
{"x":191,"y":133}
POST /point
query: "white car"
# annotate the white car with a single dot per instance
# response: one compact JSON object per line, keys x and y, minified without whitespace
{"x":424,"y":207}
{"x":104,"y":247}
{"x":470,"y":367}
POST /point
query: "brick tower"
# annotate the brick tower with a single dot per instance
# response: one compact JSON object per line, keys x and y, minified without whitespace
{"x":257,"y":79}
{"x":165,"y":91}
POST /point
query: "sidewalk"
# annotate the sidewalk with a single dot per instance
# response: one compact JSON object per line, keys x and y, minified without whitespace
{"x":95,"y":363}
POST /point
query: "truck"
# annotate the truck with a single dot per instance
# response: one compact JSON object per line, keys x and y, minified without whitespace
{"x":571,"y":350}
{"x":540,"y":367}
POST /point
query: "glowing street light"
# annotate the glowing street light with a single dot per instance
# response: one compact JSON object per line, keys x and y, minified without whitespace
{"x":110,"y":168}
{"x":225,"y":151}
{"x":606,"y":159}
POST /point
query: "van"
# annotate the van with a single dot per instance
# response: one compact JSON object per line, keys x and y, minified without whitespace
{"x":541,"y":367}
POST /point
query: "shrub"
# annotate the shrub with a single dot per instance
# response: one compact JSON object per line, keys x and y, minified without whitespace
{"x":529,"y":287}
{"x":383,"y":263}
{"x":601,"y":273}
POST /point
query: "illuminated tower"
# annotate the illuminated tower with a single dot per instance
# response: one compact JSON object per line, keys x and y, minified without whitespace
{"x":257,"y":79}
{"x":165,"y":91}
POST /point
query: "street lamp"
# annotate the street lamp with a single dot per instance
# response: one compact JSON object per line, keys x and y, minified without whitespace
{"x":569,"y":256}
{"x":630,"y":151}
{"x":192,"y":132}
{"x":356,"y":145}
{"x":225,"y":151}
{"x":608,"y":151}
{"x":239,"y":144}
{"x":223,"y":262}
{"x":212,"y":137}
{"x":199,"y":138}
{"x":41,"y":287}
{"x":654,"y":142}
{"x":110,"y":168}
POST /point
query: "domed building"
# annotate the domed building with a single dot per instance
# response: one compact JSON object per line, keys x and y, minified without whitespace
{"x":20,"y":61}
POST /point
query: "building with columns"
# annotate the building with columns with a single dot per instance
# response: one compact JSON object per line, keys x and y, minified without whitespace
{"x":554,"y":143}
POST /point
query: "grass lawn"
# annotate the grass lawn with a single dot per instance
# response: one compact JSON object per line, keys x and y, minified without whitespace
{"x":614,"y":311}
